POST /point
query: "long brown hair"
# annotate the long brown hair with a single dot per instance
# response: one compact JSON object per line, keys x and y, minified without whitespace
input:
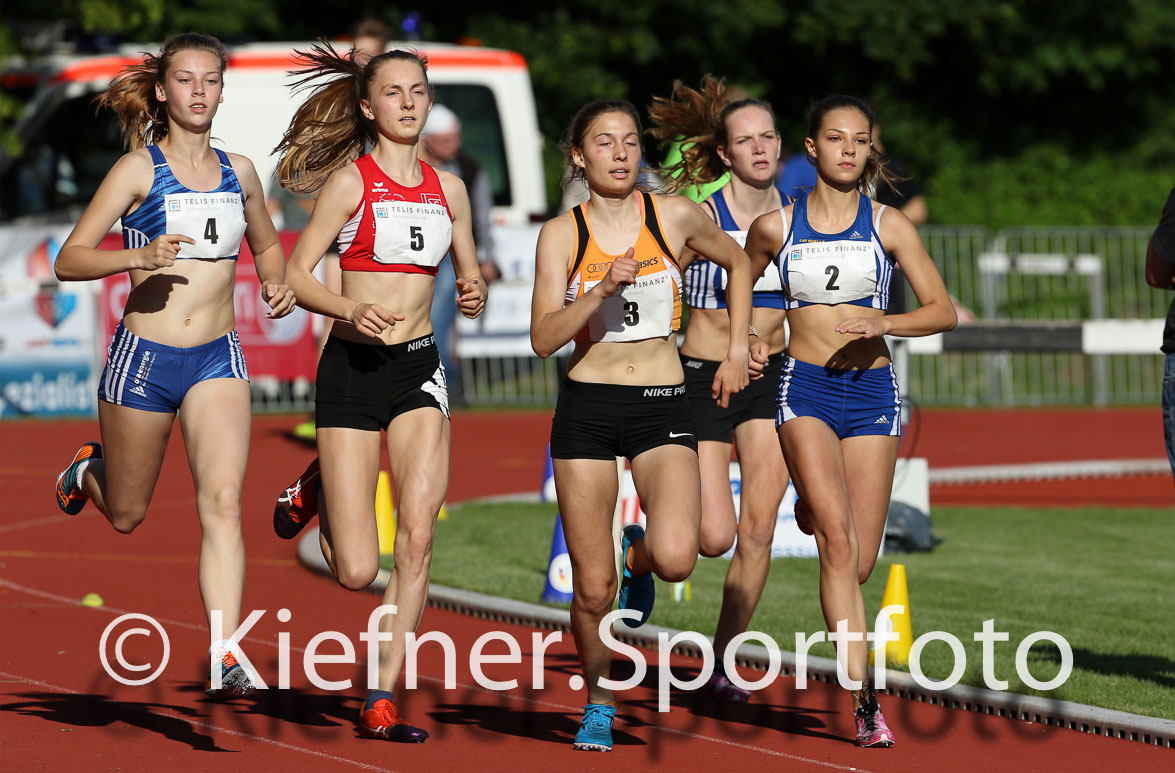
{"x":329,"y":129}
{"x":697,"y":119}
{"x":131,"y":95}
{"x":876,"y":170}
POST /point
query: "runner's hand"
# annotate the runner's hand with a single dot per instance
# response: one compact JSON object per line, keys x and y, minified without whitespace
{"x":371,"y":319}
{"x":162,"y":251}
{"x":623,"y":272}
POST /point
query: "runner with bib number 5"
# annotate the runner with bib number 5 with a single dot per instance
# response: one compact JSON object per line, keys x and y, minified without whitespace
{"x":394,"y":218}
{"x":607,"y":277}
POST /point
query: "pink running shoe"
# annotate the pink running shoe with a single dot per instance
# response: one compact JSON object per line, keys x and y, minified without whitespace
{"x":871,"y":727}
{"x":803,"y":520}
{"x":721,"y":688}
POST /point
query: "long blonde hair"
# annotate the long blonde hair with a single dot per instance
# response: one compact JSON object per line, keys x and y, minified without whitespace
{"x":131,"y":95}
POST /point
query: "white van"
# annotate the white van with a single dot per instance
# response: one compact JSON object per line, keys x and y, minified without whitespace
{"x":51,"y":344}
{"x":67,"y":149}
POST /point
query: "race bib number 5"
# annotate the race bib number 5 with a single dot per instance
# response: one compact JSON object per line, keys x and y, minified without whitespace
{"x":411,"y":232}
{"x":216,"y":221}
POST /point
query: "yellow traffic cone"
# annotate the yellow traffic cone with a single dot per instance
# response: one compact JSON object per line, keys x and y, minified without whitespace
{"x":897,"y":653}
{"x":443,"y":515}
{"x":385,"y":513}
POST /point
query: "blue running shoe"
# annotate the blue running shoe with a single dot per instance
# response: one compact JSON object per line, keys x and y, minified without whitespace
{"x":595,"y":729}
{"x":234,"y":680}
{"x":636,"y":591}
{"x":70,"y":497}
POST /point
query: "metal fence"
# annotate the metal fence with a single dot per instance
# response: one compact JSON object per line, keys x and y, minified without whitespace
{"x":1042,"y":274}
{"x":1014,"y":274}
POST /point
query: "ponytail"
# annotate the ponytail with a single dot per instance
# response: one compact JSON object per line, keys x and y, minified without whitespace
{"x":131,"y":95}
{"x":692,"y":118}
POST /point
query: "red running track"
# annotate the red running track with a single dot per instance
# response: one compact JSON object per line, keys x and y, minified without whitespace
{"x":61,"y":711}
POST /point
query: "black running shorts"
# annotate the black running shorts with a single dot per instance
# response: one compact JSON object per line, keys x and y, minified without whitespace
{"x":603,"y":421}
{"x":757,"y":401}
{"x":365,"y":386}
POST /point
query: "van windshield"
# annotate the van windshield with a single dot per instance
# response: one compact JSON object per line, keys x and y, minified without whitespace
{"x":61,"y":161}
{"x":66,"y":154}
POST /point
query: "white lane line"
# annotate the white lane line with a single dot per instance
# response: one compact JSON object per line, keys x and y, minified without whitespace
{"x":469,"y":687}
{"x":197,"y":723}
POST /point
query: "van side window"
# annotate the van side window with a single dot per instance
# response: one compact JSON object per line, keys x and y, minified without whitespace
{"x":61,"y":162}
{"x":481,"y":133}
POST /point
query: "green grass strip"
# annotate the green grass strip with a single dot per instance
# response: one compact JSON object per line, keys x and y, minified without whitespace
{"x":1096,"y":576}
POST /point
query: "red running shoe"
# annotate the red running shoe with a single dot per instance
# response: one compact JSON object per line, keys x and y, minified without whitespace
{"x":298,"y":504}
{"x":383,"y":721}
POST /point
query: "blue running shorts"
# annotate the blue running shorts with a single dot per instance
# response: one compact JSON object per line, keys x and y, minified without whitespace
{"x":851,"y":402}
{"x":153,"y":377}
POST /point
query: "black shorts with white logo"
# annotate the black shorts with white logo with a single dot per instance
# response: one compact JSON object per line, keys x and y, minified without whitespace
{"x":757,"y":401}
{"x":365,"y":386}
{"x":603,"y":421}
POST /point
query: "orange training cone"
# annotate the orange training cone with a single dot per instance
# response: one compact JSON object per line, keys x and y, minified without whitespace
{"x":897,"y":653}
{"x":385,"y":514}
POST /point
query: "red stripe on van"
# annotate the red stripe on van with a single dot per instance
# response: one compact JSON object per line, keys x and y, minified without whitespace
{"x":105,"y":68}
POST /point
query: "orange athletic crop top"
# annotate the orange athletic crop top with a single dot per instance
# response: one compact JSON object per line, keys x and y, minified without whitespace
{"x":648,"y":308}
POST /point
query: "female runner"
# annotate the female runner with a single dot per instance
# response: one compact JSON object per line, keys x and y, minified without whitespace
{"x":737,"y":137}
{"x":394,"y":217}
{"x":839,"y":414}
{"x":184,"y":208}
{"x":607,"y":277}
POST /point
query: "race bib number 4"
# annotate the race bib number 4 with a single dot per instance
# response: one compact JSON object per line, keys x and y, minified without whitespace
{"x":411,"y":232}
{"x":215,"y":220}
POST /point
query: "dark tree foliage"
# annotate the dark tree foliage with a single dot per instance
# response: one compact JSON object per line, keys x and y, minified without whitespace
{"x":1051,"y":111}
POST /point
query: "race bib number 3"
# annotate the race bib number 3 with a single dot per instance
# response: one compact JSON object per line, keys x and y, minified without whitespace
{"x":216,"y":221}
{"x":639,"y":311}
{"x":411,"y":232}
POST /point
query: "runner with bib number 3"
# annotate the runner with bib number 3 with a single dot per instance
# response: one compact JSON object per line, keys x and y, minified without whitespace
{"x":608,"y":277}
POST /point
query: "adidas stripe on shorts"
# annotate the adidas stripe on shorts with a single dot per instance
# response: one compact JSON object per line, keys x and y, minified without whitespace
{"x":851,"y":402}
{"x":150,"y":376}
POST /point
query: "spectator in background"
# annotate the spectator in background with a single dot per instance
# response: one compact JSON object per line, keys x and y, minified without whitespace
{"x":902,"y":193}
{"x":906,"y":193}
{"x":369,"y":37}
{"x":797,"y":176}
{"x":1160,"y":273}
{"x":442,"y":148}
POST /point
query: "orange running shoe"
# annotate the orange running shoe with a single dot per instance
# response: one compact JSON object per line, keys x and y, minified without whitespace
{"x":383,"y":721}
{"x":298,"y":504}
{"x":70,"y":497}
{"x":234,"y":680}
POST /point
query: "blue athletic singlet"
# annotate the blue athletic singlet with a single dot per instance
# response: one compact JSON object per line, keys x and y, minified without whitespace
{"x":705,"y":282}
{"x":214,"y":219}
{"x":849,"y":267}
